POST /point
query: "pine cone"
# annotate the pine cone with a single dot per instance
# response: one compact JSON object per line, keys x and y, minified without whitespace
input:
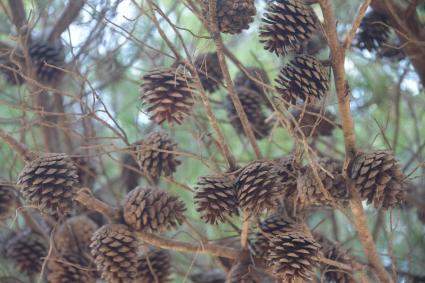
{"x":293,"y":255}
{"x":48,"y":182}
{"x":233,"y":16}
{"x":378,"y":178}
{"x":154,"y":155}
{"x":167,"y":93}
{"x":286,"y":24}
{"x":314,"y":122}
{"x":251,"y":104}
{"x":243,"y":273}
{"x":27,"y":250}
{"x":47,"y":60}
{"x":74,"y":234}
{"x":114,"y":249}
{"x":242,"y":80}
{"x":7,"y":202}
{"x":86,"y":170}
{"x":215,"y":198}
{"x":154,"y":266}
{"x":259,"y":187}
{"x":209,"y":71}
{"x":152,"y":210}
{"x":374,"y":31}
{"x":304,"y":78}
{"x":69,"y":268}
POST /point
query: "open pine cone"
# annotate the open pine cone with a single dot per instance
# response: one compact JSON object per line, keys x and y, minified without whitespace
{"x":7,"y":202}
{"x":152,"y":210}
{"x":374,"y":31}
{"x":154,"y":266}
{"x":114,"y":249}
{"x":48,"y":182}
{"x":286,"y":25}
{"x":209,"y":71}
{"x":47,"y":59}
{"x":378,"y":178}
{"x":167,"y":94}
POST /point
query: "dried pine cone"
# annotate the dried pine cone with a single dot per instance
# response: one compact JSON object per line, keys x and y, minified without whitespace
{"x":293,"y":255}
{"x":304,"y":78}
{"x":209,"y":71}
{"x":243,"y":273}
{"x":47,"y":60}
{"x":251,"y":104}
{"x":69,"y":268}
{"x":114,"y":249}
{"x":286,"y":25}
{"x":48,"y":182}
{"x":155,"y":157}
{"x":314,"y":122}
{"x":154,"y":266}
{"x":242,"y":80}
{"x":27,"y":250}
{"x":167,"y":93}
{"x":233,"y":16}
{"x":374,"y":31}
{"x":378,"y":178}
{"x":215,"y":198}
{"x":74,"y":234}
{"x":152,"y":210}
{"x":7,"y":202}
{"x":259,"y":187}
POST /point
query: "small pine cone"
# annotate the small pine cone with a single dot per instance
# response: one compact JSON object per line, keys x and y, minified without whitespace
{"x":293,"y":255}
{"x":152,"y":210}
{"x":242,"y":80}
{"x":47,"y":60}
{"x":378,"y":178}
{"x":7,"y":202}
{"x":27,"y":250}
{"x":48,"y":182}
{"x":251,"y":104}
{"x":286,"y":25}
{"x":243,"y":273}
{"x":304,"y":78}
{"x":154,"y":266}
{"x":233,"y":16}
{"x":259,"y":186}
{"x":167,"y":93}
{"x":86,"y":170}
{"x":314,"y":122}
{"x":114,"y":249}
{"x":209,"y":71}
{"x":10,"y":72}
{"x":215,"y":198}
{"x":374,"y":31}
{"x":155,"y":157}
{"x":69,"y":268}
{"x":74,"y":234}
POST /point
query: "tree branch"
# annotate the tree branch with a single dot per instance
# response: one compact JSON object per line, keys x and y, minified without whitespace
{"x":68,"y":15}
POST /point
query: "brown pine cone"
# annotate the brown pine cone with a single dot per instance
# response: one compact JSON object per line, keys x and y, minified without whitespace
{"x":378,"y":178}
{"x":233,"y":16}
{"x":47,"y":59}
{"x":167,"y":94}
{"x":7,"y":202}
{"x":69,"y":268}
{"x":27,"y":250}
{"x":152,"y":210}
{"x":314,"y":122}
{"x":155,"y":157}
{"x":154,"y":266}
{"x":304,"y":78}
{"x":242,"y":80}
{"x":114,"y":249}
{"x":209,"y":71}
{"x":215,"y":198}
{"x":374,"y":31}
{"x":48,"y":182}
{"x":286,"y":25}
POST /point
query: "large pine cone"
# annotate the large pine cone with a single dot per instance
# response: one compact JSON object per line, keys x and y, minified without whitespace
{"x":74,"y":234}
{"x":114,"y":249}
{"x":152,"y":210}
{"x":69,"y":268}
{"x":286,"y":25}
{"x":378,"y":178}
{"x":154,"y":266}
{"x":251,"y":104}
{"x":312,"y":121}
{"x":155,"y":155}
{"x":47,"y":59}
{"x":167,"y":93}
{"x":48,"y":182}
{"x":27,"y":250}
{"x":215,"y":198}
{"x":259,"y":187}
{"x":304,"y":78}
{"x":7,"y":202}
{"x":293,"y":255}
{"x":374,"y":31}
{"x":233,"y":16}
{"x":209,"y":71}
{"x":242,"y":80}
